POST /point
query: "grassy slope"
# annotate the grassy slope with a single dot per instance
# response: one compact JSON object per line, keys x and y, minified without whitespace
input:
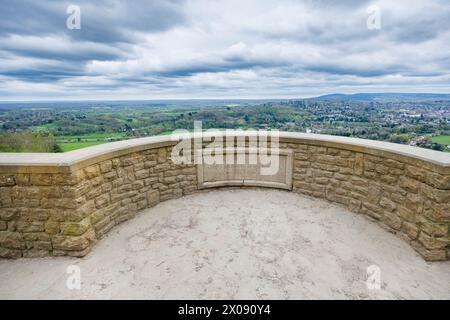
{"x":69,"y":146}
{"x":92,"y":136}
{"x":442,"y":140}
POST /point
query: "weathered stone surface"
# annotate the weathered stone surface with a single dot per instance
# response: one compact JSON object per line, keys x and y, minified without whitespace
{"x":92,"y":171}
{"x":41,"y":179}
{"x":10,"y":253}
{"x":52,"y":227}
{"x":142,"y":174}
{"x":7,"y":181}
{"x":409,"y":184}
{"x":441,"y":196}
{"x":405,"y":214}
{"x":152,"y":198}
{"x":432,"y":228}
{"x":63,"y":203}
{"x":387,"y":204}
{"x":102,"y":200}
{"x":106,"y":166}
{"x":433,"y":243}
{"x":35,"y":253}
{"x":416,"y":173}
{"x":75,"y":228}
{"x":22,"y":179}
{"x":150,"y":164}
{"x":392,"y":220}
{"x":73,"y":243}
{"x":34,"y":226}
{"x":11,"y":240}
{"x":162,"y":155}
{"x":427,"y":254}
{"x":411,"y":230}
{"x":371,"y":210}
{"x":8,"y":213}
{"x":439,"y":181}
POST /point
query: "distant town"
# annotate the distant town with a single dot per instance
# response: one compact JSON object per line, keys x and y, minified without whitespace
{"x":422,"y":121}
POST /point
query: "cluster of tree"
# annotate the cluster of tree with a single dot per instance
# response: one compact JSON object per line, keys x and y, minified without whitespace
{"x":427,"y":143}
{"x":28,"y":141}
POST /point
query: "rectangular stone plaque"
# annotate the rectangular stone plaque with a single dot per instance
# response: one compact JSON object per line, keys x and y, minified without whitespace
{"x":247,"y":173}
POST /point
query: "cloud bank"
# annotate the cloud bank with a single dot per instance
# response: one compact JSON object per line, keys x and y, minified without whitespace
{"x":221,"y":49}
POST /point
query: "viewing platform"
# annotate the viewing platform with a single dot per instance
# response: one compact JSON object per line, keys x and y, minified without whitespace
{"x":61,"y":204}
{"x":236,"y":244}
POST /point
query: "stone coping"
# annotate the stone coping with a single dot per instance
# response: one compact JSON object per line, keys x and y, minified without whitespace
{"x":66,"y":162}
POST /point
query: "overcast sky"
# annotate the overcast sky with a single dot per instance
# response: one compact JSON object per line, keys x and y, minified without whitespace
{"x":221,"y":49}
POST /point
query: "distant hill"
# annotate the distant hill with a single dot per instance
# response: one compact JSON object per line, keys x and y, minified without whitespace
{"x":132,"y":103}
{"x":387,"y":97}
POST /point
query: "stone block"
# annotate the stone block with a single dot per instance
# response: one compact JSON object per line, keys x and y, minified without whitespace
{"x":11,"y":240}
{"x":410,"y":229}
{"x":73,"y":243}
{"x":92,"y":171}
{"x":36,"y":253}
{"x":388,"y":179}
{"x":75,"y":228}
{"x":371,"y":210}
{"x":142,"y":174}
{"x":409,"y":184}
{"x":394,"y":164}
{"x":162,"y":155}
{"x":427,"y":254}
{"x":102,"y":201}
{"x":406,"y":214}
{"x":387,"y":204}
{"x":10,"y":253}
{"x":152,"y":198}
{"x":43,"y":245}
{"x":94,"y":192}
{"x":392,"y":220}
{"x":137,"y":185}
{"x":414,"y":203}
{"x":33,"y":226}
{"x":52,"y":227}
{"x":41,"y":179}
{"x":432,"y":228}
{"x":7,"y":180}
{"x":433,"y":243}
{"x":8,"y":214}
{"x":439,"y":181}
{"x":150,"y":164}
{"x":441,"y":196}
{"x":106,"y":166}
{"x":416,"y":173}
{"x":110,"y":176}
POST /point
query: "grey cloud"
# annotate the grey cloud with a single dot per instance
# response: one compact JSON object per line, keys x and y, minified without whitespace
{"x":189,"y":47}
{"x":102,"y":20}
{"x":109,"y":30}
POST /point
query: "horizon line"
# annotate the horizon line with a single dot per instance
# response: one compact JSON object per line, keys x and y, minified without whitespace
{"x":216,"y":99}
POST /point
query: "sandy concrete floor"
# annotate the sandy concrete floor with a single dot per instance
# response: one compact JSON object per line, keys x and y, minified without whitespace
{"x":236,"y":244}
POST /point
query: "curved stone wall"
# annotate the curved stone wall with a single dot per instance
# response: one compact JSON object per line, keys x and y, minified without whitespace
{"x":60,"y":204}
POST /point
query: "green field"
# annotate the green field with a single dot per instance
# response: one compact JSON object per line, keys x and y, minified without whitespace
{"x":67,"y":144}
{"x":70,"y":146}
{"x":92,"y":136}
{"x":74,"y":142}
{"x":441,"y":140}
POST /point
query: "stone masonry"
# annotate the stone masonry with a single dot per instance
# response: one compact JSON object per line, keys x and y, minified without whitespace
{"x":63,"y":214}
{"x":63,"y":211}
